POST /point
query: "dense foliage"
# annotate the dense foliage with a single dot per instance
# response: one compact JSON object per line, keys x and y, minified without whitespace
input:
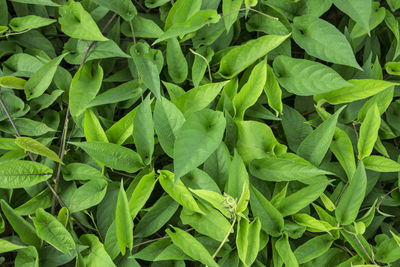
{"x":199,"y":132}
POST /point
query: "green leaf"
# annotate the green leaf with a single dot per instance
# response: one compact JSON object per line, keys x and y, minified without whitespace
{"x":178,"y":191}
{"x":181,"y":11}
{"x":369,"y":132}
{"x":176,"y":62}
{"x":229,"y":8}
{"x":313,"y":248}
{"x":271,"y":219}
{"x":392,"y":68}
{"x":240,"y":57}
{"x":207,"y":126}
{"x":334,"y":47}
{"x":361,"y":89}
{"x":126,"y":91}
{"x":85,"y":85}
{"x":147,"y":69}
{"x":24,"y":229}
{"x":381,"y":164}
{"x":88,"y":195}
{"x":255,"y":140}
{"x":311,"y":223}
{"x":6,"y":246}
{"x":358,"y":10}
{"x":282,"y":246}
{"x":27,"y":257}
{"x":248,"y":240}
{"x":143,"y":131}
{"x":96,"y":254}
{"x":202,"y":58}
{"x":37,"y":2}
{"x":198,"y":98}
{"x":302,"y":198}
{"x":273,"y":91}
{"x":193,"y":248}
{"x":381,"y":99}
{"x":282,"y":169}
{"x":30,"y":22}
{"x":252,"y":89}
{"x":92,"y":128}
{"x":12,"y":82}
{"x":80,"y":171}
{"x":112,"y":155}
{"x":76,"y":22}
{"x":212,"y":224}
{"x":306,"y":77}
{"x":342,"y":148}
{"x":34,"y":146}
{"x":314,"y":147}
{"x":217,"y":200}
{"x":21,"y":173}
{"x":352,"y":198}
{"x":53,"y":232}
{"x":194,"y":23}
{"x":124,"y":8}
{"x":124,"y":222}
{"x":167,"y":121}
{"x":141,"y":193}
{"x":122,"y":129}
{"x":157,"y":216}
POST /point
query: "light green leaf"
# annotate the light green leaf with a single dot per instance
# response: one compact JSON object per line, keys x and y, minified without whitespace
{"x":381,"y":99}
{"x":201,"y":62}
{"x":215,"y":199}
{"x":27,"y":257}
{"x":313,"y":248}
{"x":88,"y":195}
{"x":312,"y":224}
{"x":193,"y":248}
{"x":124,"y":222}
{"x":124,"y":8}
{"x":122,"y":129}
{"x":252,"y":89}
{"x":147,"y":68}
{"x":240,"y":57}
{"x":176,"y":61}
{"x":81,"y":172}
{"x":229,"y":8}
{"x":96,"y":255}
{"x":198,"y":98}
{"x":21,"y":173}
{"x":7,"y":246}
{"x":282,"y":246}
{"x":256,"y":140}
{"x":302,"y":198}
{"x":181,"y":11}
{"x":314,"y":147}
{"x":12,"y":82}
{"x":162,"y":250}
{"x":207,"y":126}
{"x":273,"y":91}
{"x":361,"y":89}
{"x":271,"y":220}
{"x":112,"y":155}
{"x":37,"y":2}
{"x":167,"y":121}
{"x":381,"y":164}
{"x":306,"y":77}
{"x":24,"y":229}
{"x":30,"y":22}
{"x":194,"y":23}
{"x":85,"y":85}
{"x":352,"y":198}
{"x":141,"y":193}
{"x":212,"y":224}
{"x":178,"y":191}
{"x":392,"y":68}
{"x":358,"y":10}
{"x":280,"y":169}
{"x":369,"y":132}
{"x":76,"y":22}
{"x":53,"y":232}
{"x":248,"y":240}
{"x":143,"y":131}
{"x":92,"y":128}
{"x":34,"y":146}
{"x":342,"y":148}
{"x":334,"y":47}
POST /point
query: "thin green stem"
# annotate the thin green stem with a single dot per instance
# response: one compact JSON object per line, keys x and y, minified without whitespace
{"x":208,"y":65}
{"x":226,"y":237}
{"x":249,"y":9}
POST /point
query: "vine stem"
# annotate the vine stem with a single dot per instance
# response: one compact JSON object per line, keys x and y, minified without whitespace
{"x":226,"y":237}
{"x":157,"y":239}
{"x":61,"y":151}
{"x":202,"y":57}
{"x":55,"y":195}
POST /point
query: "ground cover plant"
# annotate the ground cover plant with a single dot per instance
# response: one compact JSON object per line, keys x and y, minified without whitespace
{"x":199,"y":132}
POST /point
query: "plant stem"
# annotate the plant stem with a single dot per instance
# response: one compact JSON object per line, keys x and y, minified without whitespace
{"x":61,"y":151}
{"x":208,"y":65}
{"x":226,"y":237}
{"x":156,"y":239}
{"x":250,"y":9}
